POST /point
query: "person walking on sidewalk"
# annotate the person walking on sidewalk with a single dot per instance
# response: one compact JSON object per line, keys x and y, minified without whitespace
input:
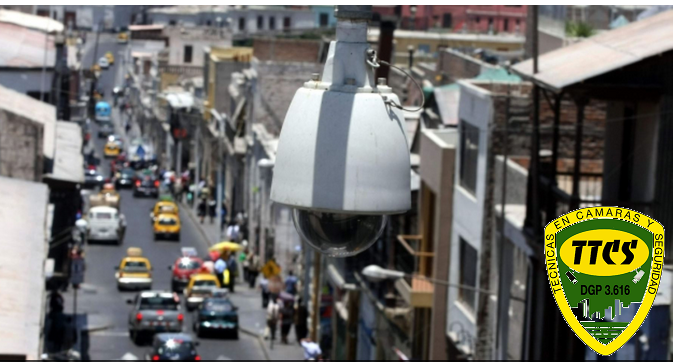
{"x":273,"y":311}
{"x":287,"y":319}
{"x":243,"y":261}
{"x":233,"y":270}
{"x":264,"y":287}
{"x":201,"y":210}
{"x":212,"y":209}
{"x":253,"y":268}
{"x":291,"y":283}
{"x":220,"y":267}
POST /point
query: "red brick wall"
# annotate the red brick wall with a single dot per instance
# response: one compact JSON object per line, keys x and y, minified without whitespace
{"x":286,"y":50}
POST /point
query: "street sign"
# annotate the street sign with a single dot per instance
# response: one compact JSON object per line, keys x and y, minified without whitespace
{"x":77,"y":272}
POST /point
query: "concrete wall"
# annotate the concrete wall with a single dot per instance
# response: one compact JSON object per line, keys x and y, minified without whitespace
{"x":475,"y":108}
{"x":287,"y":50}
{"x":277,"y":84}
{"x":177,"y":49}
{"x":438,"y":157}
{"x":454,"y":65}
{"x":21,"y":147}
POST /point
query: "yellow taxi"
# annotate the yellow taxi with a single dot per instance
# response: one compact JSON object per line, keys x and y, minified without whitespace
{"x":110,"y":57}
{"x":122,"y":37}
{"x":200,"y":287}
{"x":167,"y":225}
{"x":163,"y":206}
{"x":111,"y":149}
{"x":134,"y":271}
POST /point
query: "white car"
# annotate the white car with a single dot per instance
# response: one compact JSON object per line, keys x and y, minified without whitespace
{"x":106,"y":223}
{"x":103,"y":63}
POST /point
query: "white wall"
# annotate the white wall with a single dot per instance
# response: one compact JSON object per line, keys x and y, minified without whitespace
{"x":475,"y":108}
{"x":177,"y":49}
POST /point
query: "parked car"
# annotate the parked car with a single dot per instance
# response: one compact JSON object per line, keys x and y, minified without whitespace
{"x":217,"y":316}
{"x":154,"y":312}
{"x":146,"y":185}
{"x":173,"y":347}
{"x":183,"y":269}
{"x":105,"y":223}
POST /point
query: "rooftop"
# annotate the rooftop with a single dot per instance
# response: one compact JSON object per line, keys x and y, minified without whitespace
{"x":68,"y":159}
{"x":40,"y":23}
{"x":373,"y":35}
{"x":23,"y":221}
{"x":602,"y":53}
{"x":25,"y":48}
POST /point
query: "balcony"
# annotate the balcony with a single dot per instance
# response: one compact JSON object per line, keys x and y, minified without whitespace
{"x":415,"y":289}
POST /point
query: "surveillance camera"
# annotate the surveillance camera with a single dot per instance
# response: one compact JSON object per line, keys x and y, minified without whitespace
{"x":343,"y":161}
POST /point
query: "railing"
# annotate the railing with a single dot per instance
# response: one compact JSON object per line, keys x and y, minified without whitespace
{"x":412,"y":260}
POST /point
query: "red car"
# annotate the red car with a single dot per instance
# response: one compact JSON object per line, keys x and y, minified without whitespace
{"x":183,"y":269}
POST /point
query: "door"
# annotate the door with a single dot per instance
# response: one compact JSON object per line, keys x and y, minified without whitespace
{"x":70,"y":20}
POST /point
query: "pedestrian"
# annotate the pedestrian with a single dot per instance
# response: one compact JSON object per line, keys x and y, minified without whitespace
{"x":191,"y":190}
{"x":301,"y":316}
{"x":233,"y":271}
{"x":223,"y":216}
{"x":220,"y":267}
{"x":127,"y":126}
{"x":264,"y":287}
{"x":253,"y":268}
{"x":291,"y":283}
{"x":233,"y":231}
{"x":287,"y":319}
{"x":273,"y":311}
{"x":201,"y":210}
{"x":212,"y":209}
{"x":243,"y":261}
{"x":312,"y":351}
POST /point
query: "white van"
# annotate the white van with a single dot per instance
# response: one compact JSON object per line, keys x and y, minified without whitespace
{"x":106,"y":223}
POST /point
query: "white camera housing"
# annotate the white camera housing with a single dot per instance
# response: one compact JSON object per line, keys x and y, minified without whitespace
{"x":343,"y":160}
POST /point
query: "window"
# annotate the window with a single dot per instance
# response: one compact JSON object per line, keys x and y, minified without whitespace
{"x":447,"y":21}
{"x":208,"y":23}
{"x":260,"y":22}
{"x":172,"y":22}
{"x":477,"y":20}
{"x":505,"y":24}
{"x":187,"y":56}
{"x":424,"y":48}
{"x":242,"y":24}
{"x":159,"y":303}
{"x":491,"y":21}
{"x":470,"y":141}
{"x":286,"y":22}
{"x":323,"y":20}
{"x":467,"y":273}
{"x":272,"y":23}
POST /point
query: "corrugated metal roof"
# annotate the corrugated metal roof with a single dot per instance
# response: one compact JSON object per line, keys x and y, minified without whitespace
{"x":23,"y":220}
{"x":34,"y":110}
{"x":602,"y":53}
{"x":41,"y":23}
{"x":68,"y":159}
{"x":23,"y":47}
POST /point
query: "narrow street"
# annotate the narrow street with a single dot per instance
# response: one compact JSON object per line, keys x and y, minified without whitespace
{"x":102,"y":310}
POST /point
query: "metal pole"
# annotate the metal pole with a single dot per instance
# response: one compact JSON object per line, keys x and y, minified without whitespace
{"x":179,"y":152}
{"x":219,"y":192}
{"x":44,"y":59}
{"x":316,"y":298}
{"x":75,"y":287}
{"x":196,"y":163}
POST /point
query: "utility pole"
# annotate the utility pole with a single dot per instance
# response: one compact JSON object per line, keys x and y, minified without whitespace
{"x":196,"y":162}
{"x":316,"y":297}
{"x":93,"y":62}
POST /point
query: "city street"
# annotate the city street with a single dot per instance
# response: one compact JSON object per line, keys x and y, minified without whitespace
{"x":101,"y":308}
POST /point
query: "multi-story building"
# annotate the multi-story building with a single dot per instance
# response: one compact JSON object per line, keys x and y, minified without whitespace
{"x":466,"y":18}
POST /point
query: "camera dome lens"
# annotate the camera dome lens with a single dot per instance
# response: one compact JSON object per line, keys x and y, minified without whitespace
{"x":338,"y":235}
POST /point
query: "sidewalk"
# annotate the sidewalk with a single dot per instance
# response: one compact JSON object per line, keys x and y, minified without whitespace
{"x":252,"y":317}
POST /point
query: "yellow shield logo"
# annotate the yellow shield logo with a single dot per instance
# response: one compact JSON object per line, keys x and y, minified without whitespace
{"x":602,"y":261}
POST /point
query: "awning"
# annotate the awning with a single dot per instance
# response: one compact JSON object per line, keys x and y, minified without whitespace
{"x":23,"y":221}
{"x":601,"y":54}
{"x":179,"y":100}
{"x":68,"y":159}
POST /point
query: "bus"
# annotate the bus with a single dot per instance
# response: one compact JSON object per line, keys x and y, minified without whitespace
{"x":103,"y":112}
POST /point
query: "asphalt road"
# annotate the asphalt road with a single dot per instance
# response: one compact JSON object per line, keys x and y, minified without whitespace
{"x":103,"y":308}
